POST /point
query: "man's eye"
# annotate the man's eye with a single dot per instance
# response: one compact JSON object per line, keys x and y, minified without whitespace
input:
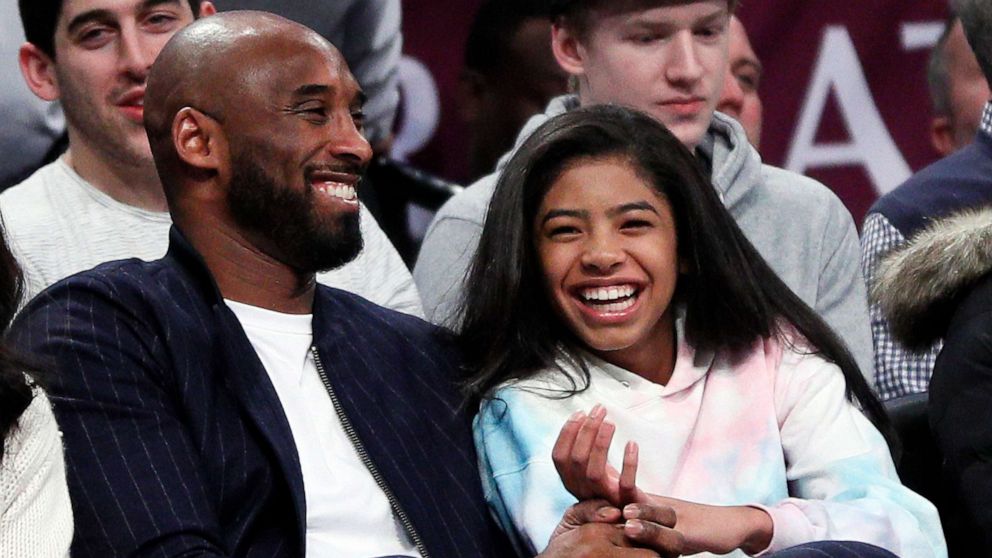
{"x":358,"y":117}
{"x":160,"y":20}
{"x":747,"y":82}
{"x":646,"y":38}
{"x":94,"y":37}
{"x":710,"y":31}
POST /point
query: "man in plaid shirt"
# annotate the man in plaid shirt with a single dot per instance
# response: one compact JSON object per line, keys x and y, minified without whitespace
{"x":960,"y":181}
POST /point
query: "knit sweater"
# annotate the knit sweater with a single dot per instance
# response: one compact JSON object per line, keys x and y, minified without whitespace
{"x":35,"y":514}
{"x":771,"y":428}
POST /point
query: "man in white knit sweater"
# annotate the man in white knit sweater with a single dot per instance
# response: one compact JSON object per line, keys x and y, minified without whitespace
{"x":102,"y":200}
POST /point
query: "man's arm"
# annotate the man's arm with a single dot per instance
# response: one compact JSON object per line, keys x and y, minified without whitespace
{"x":372,"y":47}
{"x":133,"y":473}
{"x":841,"y":297}
{"x":898,"y":371}
{"x":596,"y":528}
{"x":960,"y":410}
{"x":443,"y":261}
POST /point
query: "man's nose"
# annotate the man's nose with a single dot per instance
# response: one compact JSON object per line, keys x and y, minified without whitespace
{"x":348,"y":142}
{"x":683,"y":64}
{"x":136,"y":53}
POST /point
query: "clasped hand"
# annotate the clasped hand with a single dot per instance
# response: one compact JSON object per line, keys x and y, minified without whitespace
{"x":580,"y":456}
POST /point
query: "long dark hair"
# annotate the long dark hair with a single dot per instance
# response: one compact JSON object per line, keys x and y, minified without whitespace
{"x":731,"y":297}
{"x":15,"y":391}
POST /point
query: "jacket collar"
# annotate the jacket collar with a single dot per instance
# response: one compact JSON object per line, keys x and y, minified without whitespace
{"x":243,"y":372}
{"x":183,"y":255}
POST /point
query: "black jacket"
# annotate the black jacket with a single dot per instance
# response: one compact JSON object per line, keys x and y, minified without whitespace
{"x":177,"y":444}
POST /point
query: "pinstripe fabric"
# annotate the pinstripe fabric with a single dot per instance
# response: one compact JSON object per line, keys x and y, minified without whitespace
{"x":175,"y":439}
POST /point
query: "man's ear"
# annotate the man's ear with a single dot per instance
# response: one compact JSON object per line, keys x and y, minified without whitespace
{"x":199,"y":140}
{"x":38,"y":70}
{"x":942,"y":135}
{"x":568,"y":49}
{"x":207,"y":9}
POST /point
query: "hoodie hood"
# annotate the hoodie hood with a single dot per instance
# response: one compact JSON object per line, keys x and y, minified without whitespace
{"x":920,"y":285}
{"x":735,"y":166}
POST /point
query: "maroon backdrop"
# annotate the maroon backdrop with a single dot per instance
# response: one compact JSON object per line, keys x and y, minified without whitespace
{"x":844,"y":90}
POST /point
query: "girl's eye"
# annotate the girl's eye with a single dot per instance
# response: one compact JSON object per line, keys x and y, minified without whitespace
{"x":636,"y":224}
{"x":562,"y":231}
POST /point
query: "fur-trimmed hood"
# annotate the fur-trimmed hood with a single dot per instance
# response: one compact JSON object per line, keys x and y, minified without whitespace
{"x":919,"y":285}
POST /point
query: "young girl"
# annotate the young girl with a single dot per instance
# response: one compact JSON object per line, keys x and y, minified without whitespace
{"x":610,"y":280}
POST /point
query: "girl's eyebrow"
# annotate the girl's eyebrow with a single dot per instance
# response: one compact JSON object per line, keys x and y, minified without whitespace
{"x":633,"y":206}
{"x":579,"y":213}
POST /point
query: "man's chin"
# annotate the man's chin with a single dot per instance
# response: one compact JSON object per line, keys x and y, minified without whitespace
{"x":327,"y":258}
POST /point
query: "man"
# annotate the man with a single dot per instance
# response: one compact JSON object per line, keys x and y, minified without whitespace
{"x":510,"y":75}
{"x":740,"y":91}
{"x":959,"y":181}
{"x":31,"y":127}
{"x":669,"y":59}
{"x":218,"y":402}
{"x":958,"y":90}
{"x":102,"y":200}
{"x":373,"y":53}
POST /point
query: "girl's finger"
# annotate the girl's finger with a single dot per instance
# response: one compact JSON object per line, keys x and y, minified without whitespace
{"x":579,"y":459}
{"x":596,"y":469}
{"x":566,"y":439}
{"x":628,"y":475}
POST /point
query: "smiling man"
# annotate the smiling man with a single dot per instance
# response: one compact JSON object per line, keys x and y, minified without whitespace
{"x":669,"y":59}
{"x":102,"y":200}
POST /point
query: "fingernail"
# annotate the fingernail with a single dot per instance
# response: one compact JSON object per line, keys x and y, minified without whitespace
{"x":632,"y":511}
{"x":633,"y":528}
{"x":597,"y":410}
{"x":604,"y":513}
{"x":575,"y":416}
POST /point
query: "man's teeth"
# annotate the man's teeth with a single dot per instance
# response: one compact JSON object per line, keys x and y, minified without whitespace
{"x":608,"y":293}
{"x":344,"y":191}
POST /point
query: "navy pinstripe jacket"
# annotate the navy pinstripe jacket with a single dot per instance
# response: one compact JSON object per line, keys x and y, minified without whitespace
{"x":177,"y":445}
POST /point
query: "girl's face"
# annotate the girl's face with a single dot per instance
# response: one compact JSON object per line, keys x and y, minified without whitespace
{"x":607,"y":247}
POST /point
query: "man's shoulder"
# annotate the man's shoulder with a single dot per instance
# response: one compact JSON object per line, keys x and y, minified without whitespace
{"x":471,"y":204}
{"x":962,"y":179}
{"x":128,"y":284}
{"x":373,"y":319}
{"x":28,"y":204}
{"x":785,"y":186}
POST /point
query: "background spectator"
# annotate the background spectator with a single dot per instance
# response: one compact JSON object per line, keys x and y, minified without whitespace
{"x":958,"y":90}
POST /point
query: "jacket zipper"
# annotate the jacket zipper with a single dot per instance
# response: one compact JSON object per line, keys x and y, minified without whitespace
{"x":366,"y":460}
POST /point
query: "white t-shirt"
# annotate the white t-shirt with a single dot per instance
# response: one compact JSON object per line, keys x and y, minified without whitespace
{"x":58,"y":224}
{"x":347,"y":513}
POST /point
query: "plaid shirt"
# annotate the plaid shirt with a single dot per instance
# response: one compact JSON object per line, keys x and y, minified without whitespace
{"x":898,"y":371}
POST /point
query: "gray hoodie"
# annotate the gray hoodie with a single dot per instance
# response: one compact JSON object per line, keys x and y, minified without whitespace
{"x":798,"y":225}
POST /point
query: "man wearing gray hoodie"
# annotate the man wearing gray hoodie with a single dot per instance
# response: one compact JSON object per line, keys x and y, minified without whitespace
{"x":669,"y":59}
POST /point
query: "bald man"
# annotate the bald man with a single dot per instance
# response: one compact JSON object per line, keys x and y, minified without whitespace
{"x":219,"y":402}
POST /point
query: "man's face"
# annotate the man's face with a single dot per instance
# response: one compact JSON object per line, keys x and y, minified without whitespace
{"x":668,"y":61}
{"x":297,"y":155}
{"x":967,"y":88}
{"x":103,"y":50}
{"x":740,"y":91}
{"x":519,"y":88}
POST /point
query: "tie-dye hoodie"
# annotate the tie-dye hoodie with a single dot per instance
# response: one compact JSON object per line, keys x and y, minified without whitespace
{"x":771,"y":429}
